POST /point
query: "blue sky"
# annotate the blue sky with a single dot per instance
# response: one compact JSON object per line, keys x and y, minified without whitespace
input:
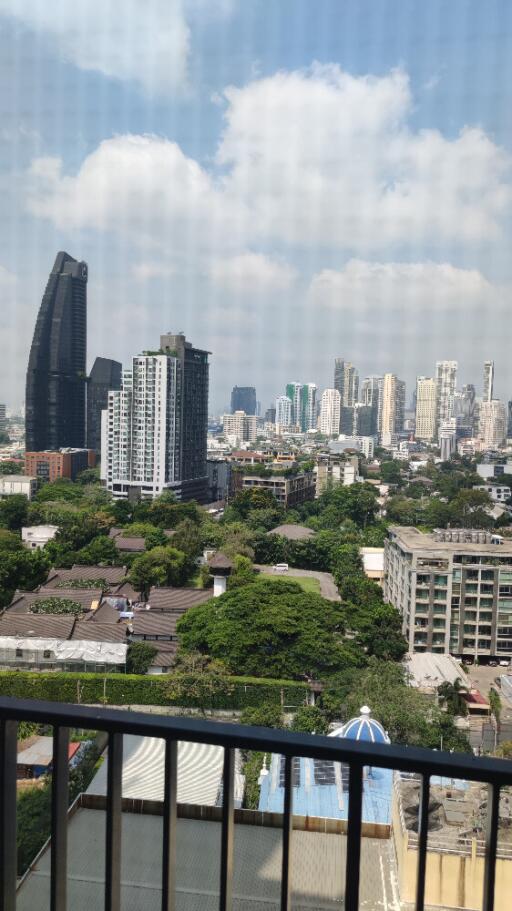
{"x":285,"y":180}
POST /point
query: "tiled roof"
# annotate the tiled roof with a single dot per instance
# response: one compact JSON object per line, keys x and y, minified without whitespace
{"x":37,"y":626}
{"x":104,"y":614}
{"x":129,"y":544}
{"x":99,"y":632}
{"x":148,"y":623}
{"x":165,"y":656}
{"x":85,"y":596}
{"x":113,"y":575}
{"x":180,"y":599}
{"x":293,"y":532}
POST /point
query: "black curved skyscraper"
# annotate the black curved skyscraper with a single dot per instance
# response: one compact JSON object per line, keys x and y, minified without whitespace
{"x":56,"y":375}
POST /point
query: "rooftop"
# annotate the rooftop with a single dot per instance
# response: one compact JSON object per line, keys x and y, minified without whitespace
{"x":293,"y":532}
{"x":113,"y":575}
{"x":177,"y":599}
{"x":86,"y":597}
{"x":413,"y":539}
{"x":428,"y":670}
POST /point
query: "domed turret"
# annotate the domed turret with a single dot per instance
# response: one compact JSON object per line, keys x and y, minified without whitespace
{"x":362,"y":728}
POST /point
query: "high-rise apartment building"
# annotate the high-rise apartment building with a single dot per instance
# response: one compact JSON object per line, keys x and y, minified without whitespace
{"x":465,"y":410}
{"x":3,"y":419}
{"x":446,"y":380}
{"x":371,"y":395}
{"x":329,"y":420}
{"x":105,"y":376}
{"x":243,"y":398}
{"x":294,"y":391}
{"x":308,"y":413}
{"x":240,"y":426}
{"x":393,"y":408}
{"x":426,"y":409}
{"x":283,"y":411}
{"x":346,"y":381}
{"x":488,"y":381}
{"x":509,"y":420}
{"x":155,"y":429}
{"x":270,"y":415}
{"x":447,"y":435}
{"x":56,"y":377}
{"x":492,"y":429}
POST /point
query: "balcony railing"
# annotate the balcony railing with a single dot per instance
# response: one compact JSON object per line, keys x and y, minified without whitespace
{"x":355,"y":754}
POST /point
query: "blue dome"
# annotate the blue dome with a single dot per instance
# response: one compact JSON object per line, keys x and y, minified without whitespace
{"x":363,"y":728}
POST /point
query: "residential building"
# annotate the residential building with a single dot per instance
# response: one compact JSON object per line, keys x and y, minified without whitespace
{"x":426,"y":408}
{"x":334,"y":469}
{"x":393,"y":407}
{"x":56,"y":374}
{"x":366,"y":445}
{"x":488,"y":381}
{"x":219,"y":473}
{"x":283,"y":411}
{"x":497,"y":493}
{"x":465,"y":410}
{"x":447,"y":435}
{"x":3,"y":419}
{"x":446,"y":381}
{"x":293,"y":392}
{"x":453,"y":589}
{"x":288,"y":491}
{"x":270,"y":415}
{"x":492,"y":423}
{"x":64,"y":463}
{"x":35,"y":537}
{"x":243,"y":398}
{"x":104,"y":376}
{"x":371,"y":395}
{"x":308,"y":415}
{"x":373,"y":563}
{"x":11,"y":484}
{"x":489,"y":470}
{"x":154,"y":433}
{"x":346,"y":381}
{"x":240,"y":427}
{"x":363,"y":420}
{"x":329,"y":420}
{"x":509,"y":420}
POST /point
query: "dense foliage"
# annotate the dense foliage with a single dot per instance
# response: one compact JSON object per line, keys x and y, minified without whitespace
{"x":139,"y":657}
{"x":56,"y":605}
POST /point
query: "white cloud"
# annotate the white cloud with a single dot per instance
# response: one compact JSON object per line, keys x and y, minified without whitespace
{"x":413,"y":287}
{"x":146,"y":271}
{"x":318,"y":160}
{"x":147,"y":42}
{"x":252,"y":273}
{"x":7,"y":279}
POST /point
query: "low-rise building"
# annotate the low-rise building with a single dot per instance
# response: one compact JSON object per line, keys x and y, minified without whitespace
{"x":62,"y":463}
{"x":497,"y":493}
{"x":11,"y":484}
{"x":453,"y":589}
{"x":36,"y":536}
{"x":288,"y":491}
{"x":373,"y":563}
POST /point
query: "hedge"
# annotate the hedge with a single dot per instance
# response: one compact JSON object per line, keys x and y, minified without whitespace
{"x":186,"y":690}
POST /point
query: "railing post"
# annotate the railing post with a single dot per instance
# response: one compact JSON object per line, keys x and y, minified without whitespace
{"x":169,"y":827}
{"x":60,"y":802}
{"x":422,"y":842}
{"x":287,"y":834}
{"x":491,"y":846}
{"x":228,"y":818}
{"x":114,"y":823}
{"x":8,"y":860}
{"x":355,"y":806}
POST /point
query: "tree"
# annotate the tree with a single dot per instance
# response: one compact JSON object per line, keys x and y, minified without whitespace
{"x":23,"y":569}
{"x":380,"y":633}
{"x":14,"y":512}
{"x":495,"y":705}
{"x":390,"y":472}
{"x":9,"y":467}
{"x":188,"y":538}
{"x":242,"y":574}
{"x":159,"y":566}
{"x":139,"y":657}
{"x":451,"y":694}
{"x":310,"y":719}
{"x":56,"y":605}
{"x":88,"y":476}
{"x":266,"y":715}
{"x":101,"y":551}
{"x":271,"y":629}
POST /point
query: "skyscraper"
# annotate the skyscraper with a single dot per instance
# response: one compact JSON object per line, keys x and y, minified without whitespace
{"x":105,"y":376}
{"x":465,"y":410}
{"x":243,"y":398}
{"x":493,"y":423}
{"x":446,"y":380}
{"x":346,"y":381}
{"x":371,"y":394}
{"x":154,"y":431}
{"x":283,"y":411}
{"x":426,"y":409}
{"x":393,"y":407}
{"x":308,"y":407}
{"x":293,"y":391}
{"x":56,"y":378}
{"x":3,"y":419}
{"x":488,"y":381}
{"x":329,"y":420}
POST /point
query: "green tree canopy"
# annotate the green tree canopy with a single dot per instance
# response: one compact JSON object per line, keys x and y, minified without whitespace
{"x":159,"y":566}
{"x":139,"y":657}
{"x":14,"y":512}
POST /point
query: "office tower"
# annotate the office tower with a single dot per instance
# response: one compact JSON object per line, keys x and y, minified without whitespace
{"x":509,"y":420}
{"x":293,"y":391}
{"x":329,"y":420}
{"x":283,"y":411}
{"x":56,"y":379}
{"x":270,"y":415}
{"x":154,"y":431}
{"x":308,"y":407}
{"x":492,"y":428}
{"x":347,"y":420}
{"x":393,"y":407}
{"x":3,"y":419}
{"x":362,"y":420}
{"x":426,"y":409}
{"x":488,"y":381}
{"x":241,"y":427}
{"x":446,"y":379}
{"x":447,"y":439}
{"x":105,"y":376}
{"x":465,"y":410}
{"x":243,"y":398}
{"x":371,"y":394}
{"x":346,"y":381}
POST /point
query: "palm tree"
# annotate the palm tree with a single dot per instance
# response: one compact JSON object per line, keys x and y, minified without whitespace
{"x":451,"y":694}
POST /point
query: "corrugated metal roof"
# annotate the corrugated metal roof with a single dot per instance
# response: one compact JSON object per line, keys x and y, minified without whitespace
{"x":86,"y":597}
{"x":114,"y":575}
{"x":99,"y":632}
{"x":148,"y":623}
{"x":68,"y":649}
{"x":39,"y":625}
{"x":177,"y":598}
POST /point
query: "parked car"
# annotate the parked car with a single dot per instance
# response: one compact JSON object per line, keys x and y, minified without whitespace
{"x":504,"y":662}
{"x":493,"y":663}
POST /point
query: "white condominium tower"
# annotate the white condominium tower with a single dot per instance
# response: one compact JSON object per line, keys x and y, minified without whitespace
{"x":488,"y":381}
{"x":493,"y":423}
{"x":346,"y":381}
{"x":329,"y":420}
{"x":446,"y":380}
{"x":283,"y":411}
{"x":393,"y":407}
{"x":155,"y":427}
{"x":426,"y":408}
{"x":308,"y":407}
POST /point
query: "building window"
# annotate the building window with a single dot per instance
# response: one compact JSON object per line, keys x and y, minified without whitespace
{"x":19,"y":653}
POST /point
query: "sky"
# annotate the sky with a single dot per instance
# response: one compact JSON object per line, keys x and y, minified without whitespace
{"x":286,"y":181}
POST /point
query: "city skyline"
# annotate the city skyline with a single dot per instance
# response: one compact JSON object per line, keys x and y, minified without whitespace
{"x":380,"y":226}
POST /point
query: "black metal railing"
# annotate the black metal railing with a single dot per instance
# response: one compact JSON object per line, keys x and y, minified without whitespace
{"x":495,"y":773}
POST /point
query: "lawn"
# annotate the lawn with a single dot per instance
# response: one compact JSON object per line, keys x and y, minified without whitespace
{"x":309,"y":584}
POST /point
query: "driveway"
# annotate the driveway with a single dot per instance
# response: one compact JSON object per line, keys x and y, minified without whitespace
{"x":328,"y":588}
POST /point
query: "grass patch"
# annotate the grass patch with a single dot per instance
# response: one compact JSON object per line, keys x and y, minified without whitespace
{"x":307,"y":583}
